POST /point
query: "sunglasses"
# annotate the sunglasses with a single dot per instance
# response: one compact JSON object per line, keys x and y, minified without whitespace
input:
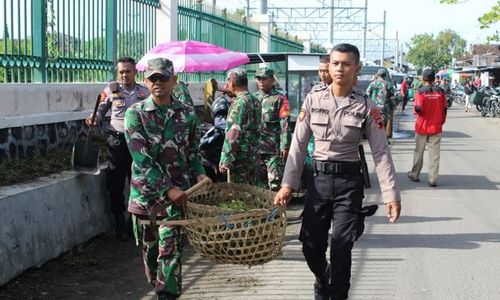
{"x":160,"y":78}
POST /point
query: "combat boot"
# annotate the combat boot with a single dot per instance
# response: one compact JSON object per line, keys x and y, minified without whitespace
{"x":321,"y":286}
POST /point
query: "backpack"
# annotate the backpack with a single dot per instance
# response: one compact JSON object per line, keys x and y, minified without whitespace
{"x":468,"y":90}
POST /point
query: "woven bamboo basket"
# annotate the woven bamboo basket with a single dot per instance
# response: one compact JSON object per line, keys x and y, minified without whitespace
{"x":227,"y":236}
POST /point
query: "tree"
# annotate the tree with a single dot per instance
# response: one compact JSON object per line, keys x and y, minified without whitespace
{"x":489,"y":18}
{"x":427,"y":51}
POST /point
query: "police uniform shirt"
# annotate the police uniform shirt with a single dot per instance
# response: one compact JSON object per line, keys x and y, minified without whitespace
{"x":118,"y":102}
{"x":337,"y":126}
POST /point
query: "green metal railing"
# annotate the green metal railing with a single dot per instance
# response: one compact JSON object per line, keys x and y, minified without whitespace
{"x":72,"y":41}
{"x":201,"y":22}
{"x":80,"y":40}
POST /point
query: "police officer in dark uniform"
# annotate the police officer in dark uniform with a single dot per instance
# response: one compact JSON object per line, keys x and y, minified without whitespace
{"x":337,"y":116}
{"x":119,"y":97}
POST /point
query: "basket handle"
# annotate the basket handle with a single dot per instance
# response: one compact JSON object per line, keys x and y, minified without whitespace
{"x":155,"y":210}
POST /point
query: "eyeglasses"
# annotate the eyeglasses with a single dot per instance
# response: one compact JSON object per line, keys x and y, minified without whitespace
{"x":160,"y":78}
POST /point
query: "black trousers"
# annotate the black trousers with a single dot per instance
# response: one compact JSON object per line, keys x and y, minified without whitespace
{"x":119,"y":163}
{"x":337,"y":198}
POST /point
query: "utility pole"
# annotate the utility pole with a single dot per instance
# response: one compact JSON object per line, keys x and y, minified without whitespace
{"x":365,"y":25}
{"x":383,"y":43}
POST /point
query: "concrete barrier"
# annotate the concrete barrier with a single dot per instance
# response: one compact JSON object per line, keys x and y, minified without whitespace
{"x":42,"y":219}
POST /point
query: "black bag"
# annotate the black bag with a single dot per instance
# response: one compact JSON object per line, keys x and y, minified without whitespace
{"x":468,"y":90}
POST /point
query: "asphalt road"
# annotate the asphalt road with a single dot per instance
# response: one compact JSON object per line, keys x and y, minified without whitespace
{"x":446,"y":244}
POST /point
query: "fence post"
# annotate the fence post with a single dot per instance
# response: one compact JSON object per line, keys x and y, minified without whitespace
{"x":39,"y":17}
{"x":224,"y":15}
{"x":111,"y":34}
{"x":199,"y":7}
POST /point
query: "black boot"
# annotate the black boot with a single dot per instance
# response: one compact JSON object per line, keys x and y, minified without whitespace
{"x":321,"y":286}
{"x":121,"y":228}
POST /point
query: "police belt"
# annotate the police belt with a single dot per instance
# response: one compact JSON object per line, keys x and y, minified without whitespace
{"x":337,"y":167}
{"x":116,"y":134}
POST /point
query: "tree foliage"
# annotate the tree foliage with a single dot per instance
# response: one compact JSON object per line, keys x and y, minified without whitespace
{"x":425,"y":50}
{"x":488,"y":19}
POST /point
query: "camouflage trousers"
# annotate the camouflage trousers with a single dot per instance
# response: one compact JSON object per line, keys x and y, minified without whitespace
{"x":162,"y":255}
{"x":270,"y":171}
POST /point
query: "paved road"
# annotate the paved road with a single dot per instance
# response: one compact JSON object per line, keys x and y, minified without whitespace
{"x":445,"y":246}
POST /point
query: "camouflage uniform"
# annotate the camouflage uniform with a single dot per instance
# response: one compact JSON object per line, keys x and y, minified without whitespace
{"x":381,"y":92}
{"x":240,"y":149}
{"x":275,"y":134}
{"x":163,"y":142}
{"x":181,"y":92}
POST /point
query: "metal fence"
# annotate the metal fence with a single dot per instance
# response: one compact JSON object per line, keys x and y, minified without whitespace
{"x":79,"y":40}
{"x":72,"y":41}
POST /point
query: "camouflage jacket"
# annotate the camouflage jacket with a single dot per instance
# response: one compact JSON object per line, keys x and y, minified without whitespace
{"x":275,"y":130}
{"x":163,"y":142}
{"x":380,"y":92}
{"x":242,"y":132}
{"x":181,"y":92}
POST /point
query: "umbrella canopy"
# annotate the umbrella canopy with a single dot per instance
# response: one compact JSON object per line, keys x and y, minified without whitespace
{"x":194,"y":56}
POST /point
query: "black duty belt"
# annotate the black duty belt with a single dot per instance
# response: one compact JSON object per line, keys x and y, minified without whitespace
{"x":341,"y":167}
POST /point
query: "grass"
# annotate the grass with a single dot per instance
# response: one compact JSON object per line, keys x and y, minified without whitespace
{"x":25,"y":169}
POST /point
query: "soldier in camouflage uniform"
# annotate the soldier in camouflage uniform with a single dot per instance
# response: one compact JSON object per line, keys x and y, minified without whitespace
{"x":162,"y":134}
{"x":275,"y":130}
{"x":240,"y":151}
{"x":381,"y":92}
{"x":117,"y":97}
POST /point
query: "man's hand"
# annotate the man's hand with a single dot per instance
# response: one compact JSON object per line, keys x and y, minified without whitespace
{"x":177,"y":196}
{"x":223,"y":168}
{"x":393,"y":211}
{"x":284,"y":154}
{"x":89,"y":122}
{"x":283,"y":196}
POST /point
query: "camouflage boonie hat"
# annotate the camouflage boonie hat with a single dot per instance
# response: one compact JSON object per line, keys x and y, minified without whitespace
{"x":240,"y":73}
{"x":264,"y":72}
{"x":160,"y":66}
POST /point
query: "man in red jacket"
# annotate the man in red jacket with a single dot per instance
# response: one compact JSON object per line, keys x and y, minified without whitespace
{"x":430,"y":108}
{"x":404,"y":93}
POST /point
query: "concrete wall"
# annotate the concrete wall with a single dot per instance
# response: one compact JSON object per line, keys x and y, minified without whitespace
{"x":42,"y":219}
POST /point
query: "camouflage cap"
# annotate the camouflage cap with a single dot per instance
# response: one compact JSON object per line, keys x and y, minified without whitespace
{"x":160,"y":66}
{"x":264,"y":72}
{"x":382,"y":72}
{"x":240,"y":73}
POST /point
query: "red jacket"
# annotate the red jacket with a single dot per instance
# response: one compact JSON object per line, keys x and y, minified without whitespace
{"x":404,"y":88}
{"x":430,"y":108}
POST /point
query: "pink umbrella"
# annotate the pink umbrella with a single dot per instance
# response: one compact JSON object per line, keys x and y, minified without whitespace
{"x":193,"y":56}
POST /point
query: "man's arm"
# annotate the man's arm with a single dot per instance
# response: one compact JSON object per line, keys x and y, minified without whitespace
{"x":231,"y":144}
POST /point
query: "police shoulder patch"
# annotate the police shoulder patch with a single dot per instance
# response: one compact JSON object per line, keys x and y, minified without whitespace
{"x":377,"y":117}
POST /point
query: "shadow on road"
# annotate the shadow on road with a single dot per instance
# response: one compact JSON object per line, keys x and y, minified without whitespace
{"x":438,"y":241}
